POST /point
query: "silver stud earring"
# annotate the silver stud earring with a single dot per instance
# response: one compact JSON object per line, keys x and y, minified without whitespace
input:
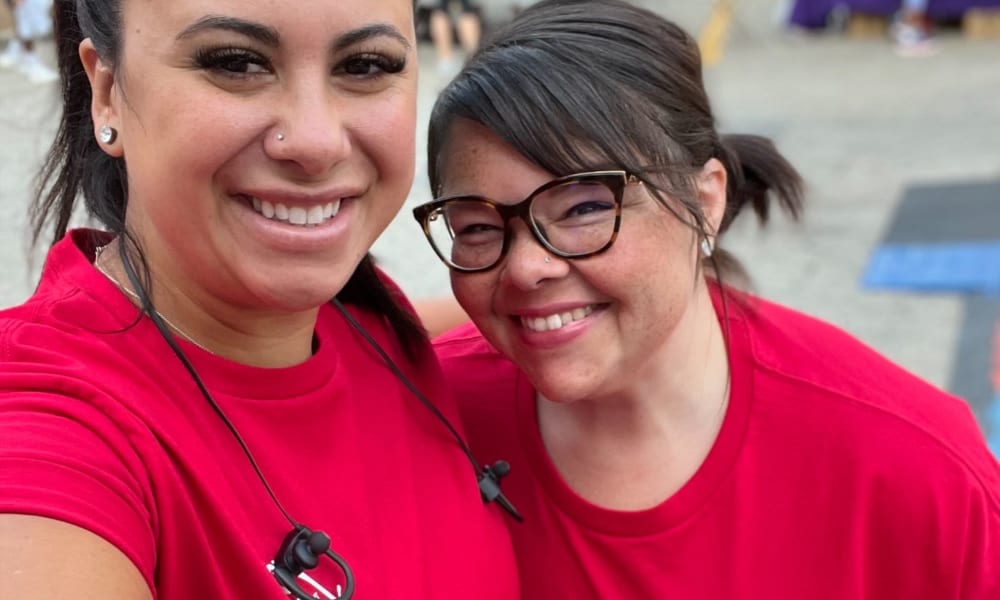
{"x":548,"y":259}
{"x":281,"y":136}
{"x":706,"y":247}
{"x":107,"y":134}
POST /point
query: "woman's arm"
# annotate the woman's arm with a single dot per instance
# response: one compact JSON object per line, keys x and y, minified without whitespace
{"x":43,"y":558}
{"x":439,"y":314}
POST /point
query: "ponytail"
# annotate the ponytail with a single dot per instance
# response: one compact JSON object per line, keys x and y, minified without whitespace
{"x":758,"y":175}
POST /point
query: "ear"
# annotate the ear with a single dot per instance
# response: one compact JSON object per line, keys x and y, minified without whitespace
{"x":712,"y":193}
{"x":105,"y":105}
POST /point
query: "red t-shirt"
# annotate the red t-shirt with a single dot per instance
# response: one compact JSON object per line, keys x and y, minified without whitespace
{"x":836,"y":475}
{"x":102,"y":427}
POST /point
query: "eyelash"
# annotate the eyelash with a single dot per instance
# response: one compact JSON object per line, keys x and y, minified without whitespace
{"x":231,"y":61}
{"x":387,"y":65}
{"x":222,"y":60}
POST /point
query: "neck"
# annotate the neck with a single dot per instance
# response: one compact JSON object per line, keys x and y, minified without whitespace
{"x":253,"y":338}
{"x":634,"y":449}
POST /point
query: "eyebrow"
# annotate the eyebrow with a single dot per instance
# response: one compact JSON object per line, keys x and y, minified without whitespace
{"x":261,"y":33}
{"x":271,"y":37}
{"x":368,"y":32}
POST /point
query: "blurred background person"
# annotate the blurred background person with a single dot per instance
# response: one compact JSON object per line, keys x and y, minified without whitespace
{"x":32,"y":22}
{"x":445,"y":23}
{"x":911,"y":29}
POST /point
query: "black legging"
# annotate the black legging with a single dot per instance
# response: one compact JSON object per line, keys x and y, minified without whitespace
{"x":466,"y":5}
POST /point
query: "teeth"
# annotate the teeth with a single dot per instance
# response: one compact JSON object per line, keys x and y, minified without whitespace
{"x":315,"y":215}
{"x":297,"y":215}
{"x":556,"y":321}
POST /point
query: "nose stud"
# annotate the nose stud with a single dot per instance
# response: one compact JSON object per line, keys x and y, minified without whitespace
{"x":548,"y":259}
{"x":281,"y":136}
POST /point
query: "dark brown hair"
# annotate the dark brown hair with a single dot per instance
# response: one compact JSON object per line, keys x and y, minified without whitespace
{"x":577,"y":85}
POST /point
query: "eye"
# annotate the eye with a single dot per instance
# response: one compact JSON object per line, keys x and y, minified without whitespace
{"x":232,"y":62}
{"x":583,"y":209}
{"x":574,"y":205}
{"x":478,"y":228}
{"x":370,"y":65}
{"x":474,"y":223}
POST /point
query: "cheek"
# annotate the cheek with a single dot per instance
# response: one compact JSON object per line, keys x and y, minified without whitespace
{"x":164,"y":136}
{"x":647,"y":265}
{"x":473,"y":293}
{"x":388,"y":131}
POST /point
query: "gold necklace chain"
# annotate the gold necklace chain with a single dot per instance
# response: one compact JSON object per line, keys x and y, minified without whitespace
{"x":138,"y":301}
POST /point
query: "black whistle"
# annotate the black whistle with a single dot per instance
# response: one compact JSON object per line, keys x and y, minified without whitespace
{"x":489,"y":487}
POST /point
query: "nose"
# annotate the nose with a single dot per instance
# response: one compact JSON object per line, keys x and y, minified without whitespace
{"x":528,"y":263}
{"x":310,"y":134}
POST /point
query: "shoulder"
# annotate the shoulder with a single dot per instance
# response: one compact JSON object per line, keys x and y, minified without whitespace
{"x":785,"y":344}
{"x":798,"y":350}
{"x":482,"y":377}
{"x":815,"y":381}
{"x":464,"y":340}
{"x":468,"y":358}
{"x":71,"y":297}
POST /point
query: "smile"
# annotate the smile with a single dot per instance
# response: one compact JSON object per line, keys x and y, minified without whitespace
{"x":556,"y":321}
{"x":302,"y":216}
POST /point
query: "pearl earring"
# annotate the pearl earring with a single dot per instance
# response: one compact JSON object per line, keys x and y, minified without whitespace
{"x":281,"y":136}
{"x":107,"y":134}
{"x":706,"y":247}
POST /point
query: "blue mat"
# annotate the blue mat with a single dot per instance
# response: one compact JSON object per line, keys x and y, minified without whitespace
{"x":958,"y":267}
{"x":941,"y":238}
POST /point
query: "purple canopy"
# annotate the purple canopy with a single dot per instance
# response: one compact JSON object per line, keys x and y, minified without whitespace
{"x":813,"y":13}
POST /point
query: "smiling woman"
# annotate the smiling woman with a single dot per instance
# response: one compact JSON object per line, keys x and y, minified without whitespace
{"x":218,"y":391}
{"x":672,"y":436}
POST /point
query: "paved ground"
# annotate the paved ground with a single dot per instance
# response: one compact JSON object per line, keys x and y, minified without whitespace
{"x":860,"y":123}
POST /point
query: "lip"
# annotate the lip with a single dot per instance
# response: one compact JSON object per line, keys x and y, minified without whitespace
{"x":551,"y":309}
{"x":555,"y":337}
{"x":282,"y":236}
{"x":303,"y":198}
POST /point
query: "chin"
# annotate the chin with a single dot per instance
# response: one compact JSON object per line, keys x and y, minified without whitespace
{"x":300,"y":294}
{"x":560,"y":389}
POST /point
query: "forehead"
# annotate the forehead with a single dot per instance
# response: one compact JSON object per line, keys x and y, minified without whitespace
{"x":298,"y":19}
{"x":477,"y":161}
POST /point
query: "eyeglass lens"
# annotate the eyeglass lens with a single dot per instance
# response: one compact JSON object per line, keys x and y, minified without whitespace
{"x":574,"y":218}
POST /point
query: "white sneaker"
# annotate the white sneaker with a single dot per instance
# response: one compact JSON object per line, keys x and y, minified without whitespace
{"x":912,"y":38}
{"x":35,"y":70}
{"x":12,"y":55}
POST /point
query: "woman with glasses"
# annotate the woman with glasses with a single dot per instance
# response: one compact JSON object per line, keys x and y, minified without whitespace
{"x":669,"y":435}
{"x":217,"y":395}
